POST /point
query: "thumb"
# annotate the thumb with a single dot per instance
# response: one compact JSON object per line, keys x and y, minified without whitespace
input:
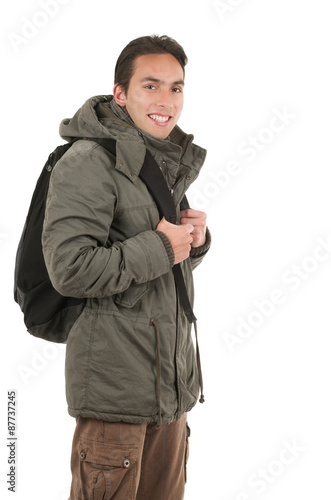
{"x":189,"y":227}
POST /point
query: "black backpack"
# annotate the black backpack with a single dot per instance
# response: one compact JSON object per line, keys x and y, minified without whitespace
{"x":48,"y":314}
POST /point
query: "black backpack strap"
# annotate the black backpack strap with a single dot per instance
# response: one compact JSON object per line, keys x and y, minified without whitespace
{"x":109,"y":144}
{"x":153,"y":177}
{"x":182,"y":292}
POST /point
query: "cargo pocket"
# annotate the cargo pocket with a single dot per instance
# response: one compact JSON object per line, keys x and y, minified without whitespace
{"x":106,"y":471}
{"x":187,"y":450}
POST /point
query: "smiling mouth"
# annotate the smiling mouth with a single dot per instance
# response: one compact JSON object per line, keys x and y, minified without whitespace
{"x":160,"y":118}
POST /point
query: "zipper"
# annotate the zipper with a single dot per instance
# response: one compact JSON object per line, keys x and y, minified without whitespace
{"x":154,"y":323}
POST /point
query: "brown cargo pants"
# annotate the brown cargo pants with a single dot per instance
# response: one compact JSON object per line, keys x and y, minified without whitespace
{"x":121,"y":461}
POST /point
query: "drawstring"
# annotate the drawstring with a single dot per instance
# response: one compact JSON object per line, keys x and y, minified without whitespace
{"x":158,"y":371}
{"x":202,"y":397}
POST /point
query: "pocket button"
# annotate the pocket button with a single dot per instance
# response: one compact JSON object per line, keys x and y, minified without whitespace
{"x":126,"y":463}
{"x":82,"y":455}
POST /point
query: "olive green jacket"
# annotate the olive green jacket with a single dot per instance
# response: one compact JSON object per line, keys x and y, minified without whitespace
{"x":129,"y":355}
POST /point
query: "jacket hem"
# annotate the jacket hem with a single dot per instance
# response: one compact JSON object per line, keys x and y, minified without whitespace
{"x":114,"y":417}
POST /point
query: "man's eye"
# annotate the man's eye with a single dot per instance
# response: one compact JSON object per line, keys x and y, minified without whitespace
{"x":177,"y":90}
{"x":150,"y":87}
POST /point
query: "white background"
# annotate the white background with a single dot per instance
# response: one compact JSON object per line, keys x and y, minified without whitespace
{"x":270,"y":391}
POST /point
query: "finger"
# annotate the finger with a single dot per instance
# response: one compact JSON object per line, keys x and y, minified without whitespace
{"x":192,"y":213}
{"x":193,"y":221}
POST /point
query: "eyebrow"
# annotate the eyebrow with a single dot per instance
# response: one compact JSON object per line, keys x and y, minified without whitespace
{"x":157,"y":80}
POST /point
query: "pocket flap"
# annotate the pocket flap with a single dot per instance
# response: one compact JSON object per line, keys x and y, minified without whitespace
{"x":130,"y":297}
{"x":107,"y":454}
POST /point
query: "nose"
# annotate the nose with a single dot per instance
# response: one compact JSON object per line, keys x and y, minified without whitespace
{"x":164,"y":98}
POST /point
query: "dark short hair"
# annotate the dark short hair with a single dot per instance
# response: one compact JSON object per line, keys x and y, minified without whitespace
{"x":145,"y":45}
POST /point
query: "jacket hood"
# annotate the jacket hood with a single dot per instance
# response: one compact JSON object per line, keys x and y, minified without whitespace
{"x":87,"y":122}
{"x":101,"y":117}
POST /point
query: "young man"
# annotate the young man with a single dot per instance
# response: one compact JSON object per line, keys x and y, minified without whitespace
{"x":132,"y":372}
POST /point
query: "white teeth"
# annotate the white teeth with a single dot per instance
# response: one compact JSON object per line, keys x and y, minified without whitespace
{"x":158,"y":118}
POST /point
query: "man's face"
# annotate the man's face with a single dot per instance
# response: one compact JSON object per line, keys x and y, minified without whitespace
{"x":154,"y":99}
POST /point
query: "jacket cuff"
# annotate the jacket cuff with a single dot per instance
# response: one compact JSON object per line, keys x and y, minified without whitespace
{"x":200,"y":251}
{"x":167,"y":246}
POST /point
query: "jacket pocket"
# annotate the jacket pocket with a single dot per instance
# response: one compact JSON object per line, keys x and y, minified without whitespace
{"x":105,"y":469}
{"x":132,"y":295}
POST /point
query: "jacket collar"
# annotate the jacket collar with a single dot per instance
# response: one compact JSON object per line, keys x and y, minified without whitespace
{"x":178,"y":147}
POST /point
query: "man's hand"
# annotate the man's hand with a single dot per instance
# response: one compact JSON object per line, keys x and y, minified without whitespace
{"x":180,"y":238}
{"x":199,"y":222}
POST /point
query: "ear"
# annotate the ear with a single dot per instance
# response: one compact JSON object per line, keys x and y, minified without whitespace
{"x":119,"y":95}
